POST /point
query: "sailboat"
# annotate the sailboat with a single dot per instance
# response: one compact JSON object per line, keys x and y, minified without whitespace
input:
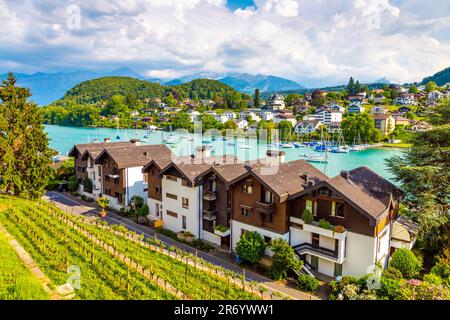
{"x":325,"y":157}
{"x":341,"y":147}
{"x":356,"y":144}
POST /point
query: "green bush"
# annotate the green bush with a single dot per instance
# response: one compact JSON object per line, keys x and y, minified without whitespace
{"x":73,"y":184}
{"x":307,"y":283}
{"x":338,"y":286}
{"x":406,"y":262}
{"x":202,"y":245}
{"x":251,"y":246}
{"x":87,"y":185}
{"x":324,"y":224}
{"x":137,"y":203}
{"x":144,"y":211}
{"x":389,"y":289}
{"x":283,"y":259}
{"x":433,"y":279}
{"x":392,"y":273}
{"x":307,"y":216}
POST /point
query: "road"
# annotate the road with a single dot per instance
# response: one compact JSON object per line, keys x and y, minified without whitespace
{"x":72,"y":205}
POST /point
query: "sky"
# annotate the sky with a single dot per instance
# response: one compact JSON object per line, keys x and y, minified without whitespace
{"x":313,"y":42}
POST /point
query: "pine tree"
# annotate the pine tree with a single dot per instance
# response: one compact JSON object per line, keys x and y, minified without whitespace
{"x":25,"y":164}
{"x":256,"y":101}
{"x":351,"y":86}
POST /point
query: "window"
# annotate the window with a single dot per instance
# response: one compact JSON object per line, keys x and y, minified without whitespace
{"x":106,"y":178}
{"x":172,"y":196}
{"x":247,"y":189}
{"x":172,"y":214}
{"x":116,"y":180}
{"x":185,"y":203}
{"x":146,"y":190}
{"x":340,"y":210}
{"x":99,"y":171}
{"x":158,"y":189}
{"x":314,"y":262}
{"x":337,"y":269}
{"x":171,"y":178}
{"x":267,"y":239}
{"x":333,"y":208}
{"x":309,"y":205}
{"x":245,"y":211}
{"x":183,"y":221}
{"x":315,"y":239}
{"x":145,"y":178}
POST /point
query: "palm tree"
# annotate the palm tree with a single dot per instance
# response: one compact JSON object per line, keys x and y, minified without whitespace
{"x":103,"y":203}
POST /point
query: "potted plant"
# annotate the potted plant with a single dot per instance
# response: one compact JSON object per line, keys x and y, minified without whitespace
{"x":221,"y":230}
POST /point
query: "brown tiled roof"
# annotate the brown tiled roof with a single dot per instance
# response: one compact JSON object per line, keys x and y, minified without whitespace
{"x":288,"y":178}
{"x":136,"y":156}
{"x":82,"y":147}
{"x":94,"y":149}
{"x":192,"y":168}
{"x":367,"y":190}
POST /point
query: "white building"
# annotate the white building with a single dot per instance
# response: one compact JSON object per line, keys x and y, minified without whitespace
{"x":307,"y":127}
{"x":325,"y":116}
{"x":378,"y":110}
{"x":355,"y":108}
{"x":242,"y":124}
{"x":276,"y":102}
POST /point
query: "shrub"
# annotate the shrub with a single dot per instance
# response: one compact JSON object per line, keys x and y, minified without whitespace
{"x":338,"y":286}
{"x":83,"y":197}
{"x":202,"y":245}
{"x":406,"y":262}
{"x":73,"y":184}
{"x":137,"y":203}
{"x":283,"y":259}
{"x":221,"y":228}
{"x":307,"y":216}
{"x":432,"y":278}
{"x":324,"y":224}
{"x":392,"y":273}
{"x":251,"y":246}
{"x":442,"y":267}
{"x":422,"y":290}
{"x":87,"y":185}
{"x":389,"y":289}
{"x":307,"y":283}
{"x":144,"y":211}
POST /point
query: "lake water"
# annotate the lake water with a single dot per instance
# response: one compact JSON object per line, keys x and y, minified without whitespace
{"x":62,"y":139}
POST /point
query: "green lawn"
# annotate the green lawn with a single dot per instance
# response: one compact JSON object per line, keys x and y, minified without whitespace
{"x":16,"y":281}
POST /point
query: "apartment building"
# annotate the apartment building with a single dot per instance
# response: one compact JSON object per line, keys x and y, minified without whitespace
{"x":84,"y":156}
{"x":325,"y":116}
{"x":122,"y":176}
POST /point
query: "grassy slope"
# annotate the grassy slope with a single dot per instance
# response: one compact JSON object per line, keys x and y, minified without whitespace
{"x":16,"y":281}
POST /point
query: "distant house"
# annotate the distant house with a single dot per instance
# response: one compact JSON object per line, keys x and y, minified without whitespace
{"x":379,"y":98}
{"x":400,"y":121}
{"x":276,"y":102}
{"x":384,"y":122}
{"x":334,"y":127}
{"x":193,"y":114}
{"x":355,"y":99}
{"x":300,"y":105}
{"x":325,"y":116}
{"x":242,"y":124}
{"x":378,"y":110}
{"x":226,"y":116}
{"x":435,"y":95}
{"x":337,"y":108}
{"x":267,"y":115}
{"x":285,"y":117}
{"x":355,"y":108}
{"x":421,"y":126}
{"x":404,"y":110}
{"x":307,"y":127}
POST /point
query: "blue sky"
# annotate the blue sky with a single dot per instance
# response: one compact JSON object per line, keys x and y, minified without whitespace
{"x":314,"y":42}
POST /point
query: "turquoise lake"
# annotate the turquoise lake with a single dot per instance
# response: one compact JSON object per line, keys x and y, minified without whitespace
{"x":62,"y":139}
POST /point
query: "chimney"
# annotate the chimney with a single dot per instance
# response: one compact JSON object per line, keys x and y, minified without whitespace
{"x":107,"y":140}
{"x":305,"y":177}
{"x":135,"y":142}
{"x":202,"y":152}
{"x":147,"y":154}
{"x":310,"y":183}
{"x":345,"y":174}
{"x":280,"y":155}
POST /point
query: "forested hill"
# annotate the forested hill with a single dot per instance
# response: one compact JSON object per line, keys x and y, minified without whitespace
{"x":440,"y":78}
{"x":103,"y":89}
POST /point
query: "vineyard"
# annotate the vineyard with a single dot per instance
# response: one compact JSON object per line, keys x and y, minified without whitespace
{"x":114,"y":263}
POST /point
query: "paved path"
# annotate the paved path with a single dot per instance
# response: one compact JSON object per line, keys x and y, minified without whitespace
{"x":73,"y":205}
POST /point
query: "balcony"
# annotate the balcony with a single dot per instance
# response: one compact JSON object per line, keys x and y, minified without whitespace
{"x":209,"y":195}
{"x":314,"y":227}
{"x":308,"y":248}
{"x":209,"y":214}
{"x":114,"y":174}
{"x":265,"y":208}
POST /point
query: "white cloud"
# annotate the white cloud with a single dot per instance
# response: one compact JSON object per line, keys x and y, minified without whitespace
{"x":313,"y":42}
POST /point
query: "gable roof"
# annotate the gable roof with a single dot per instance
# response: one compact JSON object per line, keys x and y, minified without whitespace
{"x":365,"y":189}
{"x":135,"y":156}
{"x":289,"y":178}
{"x":97,"y":147}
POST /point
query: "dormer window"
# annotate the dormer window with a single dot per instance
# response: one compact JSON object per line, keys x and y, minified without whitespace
{"x":247,"y":189}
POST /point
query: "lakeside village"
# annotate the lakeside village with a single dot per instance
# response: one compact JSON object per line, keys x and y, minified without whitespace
{"x":335,"y":121}
{"x":351,"y":236}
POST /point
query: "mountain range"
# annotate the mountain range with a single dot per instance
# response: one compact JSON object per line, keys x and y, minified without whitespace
{"x":48,"y":87}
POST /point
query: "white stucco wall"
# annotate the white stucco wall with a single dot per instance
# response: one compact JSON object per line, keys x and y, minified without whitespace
{"x":236,"y":229}
{"x":135,"y":185}
{"x":326,"y":267}
{"x":211,"y":237}
{"x":299,"y":236}
{"x":193,"y":214}
{"x":152,"y":207}
{"x":360,"y":254}
{"x":384,"y":245}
